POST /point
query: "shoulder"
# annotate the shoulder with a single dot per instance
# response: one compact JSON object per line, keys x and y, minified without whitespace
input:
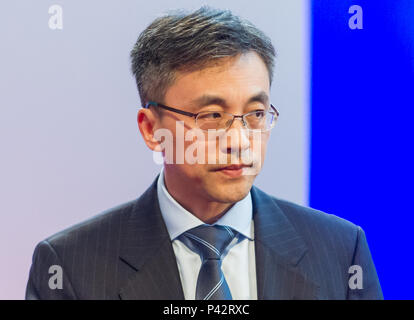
{"x":316,"y":225}
{"x":104,"y":230}
{"x":296,"y":212}
{"x":108,"y":223}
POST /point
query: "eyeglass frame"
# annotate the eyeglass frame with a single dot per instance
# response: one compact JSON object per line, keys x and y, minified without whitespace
{"x":194,"y":115}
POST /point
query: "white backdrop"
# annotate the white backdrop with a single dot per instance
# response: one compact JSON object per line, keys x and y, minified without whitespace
{"x":70,"y":146}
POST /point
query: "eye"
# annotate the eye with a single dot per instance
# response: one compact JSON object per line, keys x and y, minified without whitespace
{"x":258,"y":114}
{"x":210,"y":116}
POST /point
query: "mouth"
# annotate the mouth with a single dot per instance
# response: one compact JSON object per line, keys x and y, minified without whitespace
{"x":234,"y":170}
{"x":234,"y":167}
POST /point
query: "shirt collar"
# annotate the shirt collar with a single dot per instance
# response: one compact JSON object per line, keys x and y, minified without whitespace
{"x":179,"y":220}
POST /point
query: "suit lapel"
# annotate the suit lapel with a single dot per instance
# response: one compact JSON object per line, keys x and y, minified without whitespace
{"x":147,"y":249}
{"x":279,"y":250}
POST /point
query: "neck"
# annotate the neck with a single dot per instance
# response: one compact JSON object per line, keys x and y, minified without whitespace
{"x":204,"y":209}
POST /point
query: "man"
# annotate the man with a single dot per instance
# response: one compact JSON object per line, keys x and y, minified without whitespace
{"x":202,"y":230}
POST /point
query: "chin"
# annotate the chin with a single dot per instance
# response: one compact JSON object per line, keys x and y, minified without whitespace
{"x":230,"y":194}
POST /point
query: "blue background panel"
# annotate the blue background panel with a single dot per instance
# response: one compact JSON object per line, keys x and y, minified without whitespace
{"x":362,"y":120}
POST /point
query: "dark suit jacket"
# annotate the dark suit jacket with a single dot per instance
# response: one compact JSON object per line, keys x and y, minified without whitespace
{"x":126,"y":253}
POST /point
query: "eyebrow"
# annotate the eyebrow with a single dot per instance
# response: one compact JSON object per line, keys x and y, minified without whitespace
{"x":208,"y":99}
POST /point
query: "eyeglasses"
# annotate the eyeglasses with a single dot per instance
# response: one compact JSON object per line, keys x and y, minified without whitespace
{"x":262,"y":120}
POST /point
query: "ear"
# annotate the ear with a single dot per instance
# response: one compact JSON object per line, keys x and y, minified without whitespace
{"x":147,"y":124}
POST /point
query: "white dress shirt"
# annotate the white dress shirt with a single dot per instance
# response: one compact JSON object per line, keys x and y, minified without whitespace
{"x":238,"y":260}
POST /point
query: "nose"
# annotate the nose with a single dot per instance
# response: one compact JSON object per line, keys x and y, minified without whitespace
{"x":238,"y":118}
{"x":237,"y":138}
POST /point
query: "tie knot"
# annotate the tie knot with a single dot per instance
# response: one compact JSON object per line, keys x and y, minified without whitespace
{"x":209,"y":241}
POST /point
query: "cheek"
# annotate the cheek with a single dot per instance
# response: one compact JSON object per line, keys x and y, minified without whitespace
{"x":264,"y":145}
{"x":258,"y":146}
{"x":200,"y":150}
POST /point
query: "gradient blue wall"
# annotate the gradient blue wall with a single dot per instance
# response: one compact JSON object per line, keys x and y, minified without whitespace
{"x":362,"y":117}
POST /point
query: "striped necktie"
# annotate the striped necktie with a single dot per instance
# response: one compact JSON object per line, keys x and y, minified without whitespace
{"x":210,"y":242}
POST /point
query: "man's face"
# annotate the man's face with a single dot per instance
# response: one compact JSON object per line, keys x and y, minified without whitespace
{"x":234,"y":81}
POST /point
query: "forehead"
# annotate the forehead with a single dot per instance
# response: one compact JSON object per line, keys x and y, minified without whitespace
{"x":232,"y":78}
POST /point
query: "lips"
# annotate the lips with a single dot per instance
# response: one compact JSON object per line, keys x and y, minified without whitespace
{"x":234,"y":167}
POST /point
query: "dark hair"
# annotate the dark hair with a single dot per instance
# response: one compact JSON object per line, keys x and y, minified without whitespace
{"x":181,"y":41}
